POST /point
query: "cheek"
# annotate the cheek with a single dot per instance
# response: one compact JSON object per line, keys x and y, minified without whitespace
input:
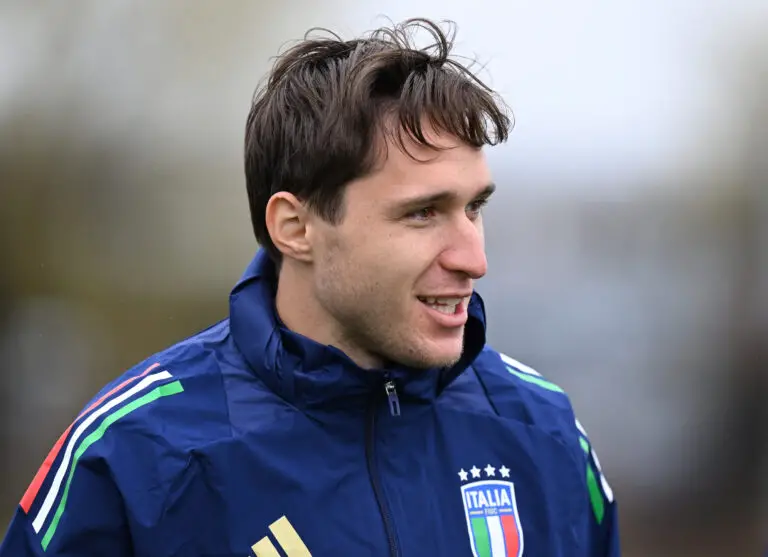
{"x":370,"y":249}
{"x":390,"y":259}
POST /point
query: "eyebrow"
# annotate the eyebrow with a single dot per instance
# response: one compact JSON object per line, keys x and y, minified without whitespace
{"x":440,"y":197}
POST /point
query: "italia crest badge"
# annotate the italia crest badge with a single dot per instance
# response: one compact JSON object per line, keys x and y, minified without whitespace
{"x":490,"y":508}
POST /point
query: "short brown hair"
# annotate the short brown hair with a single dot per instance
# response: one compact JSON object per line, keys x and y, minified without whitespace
{"x":313,"y":126}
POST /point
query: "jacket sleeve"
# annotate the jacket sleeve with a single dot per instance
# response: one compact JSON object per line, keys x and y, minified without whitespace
{"x":72,"y":508}
{"x":603,"y":531}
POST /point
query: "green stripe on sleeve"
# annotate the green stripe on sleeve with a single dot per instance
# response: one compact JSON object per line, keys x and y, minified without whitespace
{"x":159,"y":392}
{"x":595,"y":497}
{"x":584,"y":445}
{"x":536,"y":380}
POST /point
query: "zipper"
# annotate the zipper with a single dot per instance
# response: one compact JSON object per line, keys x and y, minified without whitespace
{"x":390,"y":390}
{"x":394,"y":402}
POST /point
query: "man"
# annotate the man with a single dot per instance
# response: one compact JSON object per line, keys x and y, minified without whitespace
{"x":349,"y":405}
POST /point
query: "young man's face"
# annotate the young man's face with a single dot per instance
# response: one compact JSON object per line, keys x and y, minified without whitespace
{"x":395,"y":276}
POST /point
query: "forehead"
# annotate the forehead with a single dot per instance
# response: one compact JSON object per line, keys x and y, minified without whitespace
{"x":421,"y":170}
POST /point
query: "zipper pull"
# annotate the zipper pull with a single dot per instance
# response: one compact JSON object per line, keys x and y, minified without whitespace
{"x":394,"y":402}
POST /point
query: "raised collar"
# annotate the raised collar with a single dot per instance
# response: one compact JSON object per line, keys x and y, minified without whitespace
{"x":312,"y":375}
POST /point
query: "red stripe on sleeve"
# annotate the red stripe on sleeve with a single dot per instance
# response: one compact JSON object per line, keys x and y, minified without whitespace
{"x":45,"y":467}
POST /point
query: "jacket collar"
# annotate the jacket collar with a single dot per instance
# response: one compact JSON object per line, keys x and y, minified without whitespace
{"x":312,"y":375}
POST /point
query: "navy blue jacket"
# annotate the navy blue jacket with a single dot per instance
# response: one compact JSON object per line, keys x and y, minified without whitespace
{"x":250,"y":440}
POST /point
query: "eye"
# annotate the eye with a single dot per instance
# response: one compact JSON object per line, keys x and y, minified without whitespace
{"x":476,"y":207}
{"x":422,"y":214}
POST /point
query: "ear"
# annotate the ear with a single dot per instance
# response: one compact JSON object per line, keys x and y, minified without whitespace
{"x":286,"y":220}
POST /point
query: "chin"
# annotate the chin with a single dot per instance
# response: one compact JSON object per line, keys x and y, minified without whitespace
{"x":425,"y":349}
{"x":443,"y":354}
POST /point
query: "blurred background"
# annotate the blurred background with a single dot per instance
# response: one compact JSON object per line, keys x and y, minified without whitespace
{"x":628,"y":242}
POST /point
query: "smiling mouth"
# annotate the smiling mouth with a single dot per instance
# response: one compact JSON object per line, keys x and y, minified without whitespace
{"x":448,"y":306}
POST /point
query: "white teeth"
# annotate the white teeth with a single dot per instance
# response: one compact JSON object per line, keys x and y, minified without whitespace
{"x":443,"y":301}
{"x":443,"y":305}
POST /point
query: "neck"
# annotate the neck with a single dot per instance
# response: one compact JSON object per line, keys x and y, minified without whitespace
{"x":300,"y":311}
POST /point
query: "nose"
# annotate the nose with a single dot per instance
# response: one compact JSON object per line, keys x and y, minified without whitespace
{"x":465,"y":249}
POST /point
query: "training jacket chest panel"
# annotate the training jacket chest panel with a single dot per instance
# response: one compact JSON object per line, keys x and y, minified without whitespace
{"x":336,"y":477}
{"x":472,"y":461}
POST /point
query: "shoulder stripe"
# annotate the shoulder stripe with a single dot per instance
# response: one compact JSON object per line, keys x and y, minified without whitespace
{"x":594,"y":476}
{"x":163,"y":390}
{"x":581,"y":428}
{"x":53,"y":492}
{"x":42,"y":472}
{"x":528,"y":374}
{"x":606,"y":486}
{"x":543,"y":383}
{"x":519,"y":366}
{"x":591,"y":450}
{"x":595,"y":497}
